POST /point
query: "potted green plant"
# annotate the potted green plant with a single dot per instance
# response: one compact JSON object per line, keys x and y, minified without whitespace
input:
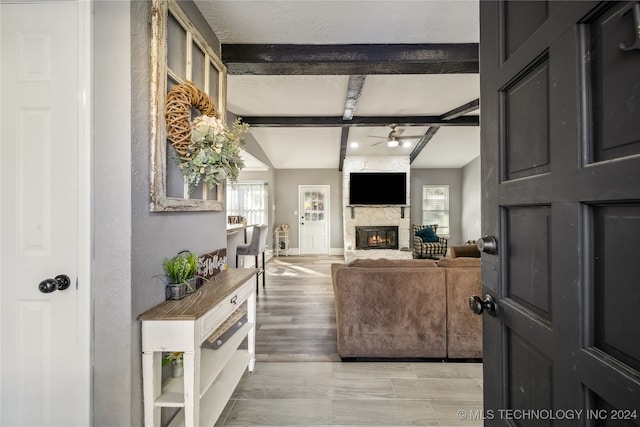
{"x":175,"y":358}
{"x":181,"y":273}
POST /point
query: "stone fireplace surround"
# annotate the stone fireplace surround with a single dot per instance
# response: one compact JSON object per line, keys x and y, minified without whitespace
{"x":375,"y":215}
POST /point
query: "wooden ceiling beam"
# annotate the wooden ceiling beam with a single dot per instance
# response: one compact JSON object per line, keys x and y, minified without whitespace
{"x":358,"y":121}
{"x":449,"y":116}
{"x":461,"y":110}
{"x":353,"y":59}
{"x":354,"y":90}
{"x":343,"y":147}
{"x":423,"y":142}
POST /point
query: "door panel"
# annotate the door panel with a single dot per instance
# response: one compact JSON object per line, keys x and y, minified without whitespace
{"x":528,"y":236}
{"x":526,"y":114}
{"x":43,"y":381}
{"x":530,"y":374}
{"x":616,"y":272}
{"x":560,"y":103}
{"x":314,"y":219}
{"x":613,"y":83}
{"x":522,"y":19}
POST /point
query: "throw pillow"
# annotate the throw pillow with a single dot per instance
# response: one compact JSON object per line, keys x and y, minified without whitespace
{"x":427,"y":235}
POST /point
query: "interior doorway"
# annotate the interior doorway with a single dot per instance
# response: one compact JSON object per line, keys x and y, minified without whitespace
{"x":313,"y":202}
{"x":46,"y":218}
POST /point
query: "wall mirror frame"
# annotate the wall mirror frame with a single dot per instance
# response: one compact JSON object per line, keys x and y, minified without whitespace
{"x":179,"y":53}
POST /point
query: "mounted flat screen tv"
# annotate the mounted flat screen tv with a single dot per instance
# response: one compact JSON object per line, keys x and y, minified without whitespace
{"x":378,"y":188}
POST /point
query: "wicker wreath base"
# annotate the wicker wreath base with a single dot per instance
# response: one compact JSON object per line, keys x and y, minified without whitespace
{"x":180,"y":99}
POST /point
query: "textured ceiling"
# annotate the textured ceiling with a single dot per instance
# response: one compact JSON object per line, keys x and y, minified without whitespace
{"x":350,"y":22}
{"x":342,"y":22}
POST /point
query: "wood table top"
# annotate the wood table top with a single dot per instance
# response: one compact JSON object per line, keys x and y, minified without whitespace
{"x":196,"y":304}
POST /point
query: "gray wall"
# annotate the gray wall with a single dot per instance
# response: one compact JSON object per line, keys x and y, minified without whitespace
{"x":111,"y":282}
{"x":157,"y":235}
{"x":471,"y":200}
{"x":286,"y":200}
{"x":450,"y":177}
{"x":130,"y":242}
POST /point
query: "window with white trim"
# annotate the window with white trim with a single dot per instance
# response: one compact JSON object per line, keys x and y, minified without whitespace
{"x":435,"y":207}
{"x":190,"y":58}
{"x":249,"y":200}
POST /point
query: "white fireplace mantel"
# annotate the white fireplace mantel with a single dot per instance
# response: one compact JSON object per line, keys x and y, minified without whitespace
{"x":353,"y":208}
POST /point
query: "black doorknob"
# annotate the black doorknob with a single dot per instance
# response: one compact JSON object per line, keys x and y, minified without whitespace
{"x":488,"y":244}
{"x":61,"y":282}
{"x":48,"y":286}
{"x":479,"y":305}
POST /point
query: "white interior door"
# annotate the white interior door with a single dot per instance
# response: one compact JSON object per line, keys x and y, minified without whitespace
{"x":44,"y":350}
{"x":314,"y":219}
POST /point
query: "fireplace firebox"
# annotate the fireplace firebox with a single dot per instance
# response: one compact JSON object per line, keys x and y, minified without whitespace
{"x":377,"y":237}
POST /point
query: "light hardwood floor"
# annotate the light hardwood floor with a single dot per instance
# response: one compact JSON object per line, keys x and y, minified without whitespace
{"x":300,"y":381}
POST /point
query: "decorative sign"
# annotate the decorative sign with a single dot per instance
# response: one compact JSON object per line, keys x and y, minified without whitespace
{"x":211,"y":264}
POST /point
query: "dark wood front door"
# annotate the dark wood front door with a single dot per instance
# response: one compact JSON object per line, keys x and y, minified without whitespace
{"x":560,"y":102}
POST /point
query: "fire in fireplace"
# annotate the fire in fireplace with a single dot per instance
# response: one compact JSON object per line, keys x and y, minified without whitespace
{"x":377,"y":237}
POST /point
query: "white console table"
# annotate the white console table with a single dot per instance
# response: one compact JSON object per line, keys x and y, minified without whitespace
{"x":210,"y":376}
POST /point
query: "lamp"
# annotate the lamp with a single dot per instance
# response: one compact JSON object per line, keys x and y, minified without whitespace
{"x":393,"y":142}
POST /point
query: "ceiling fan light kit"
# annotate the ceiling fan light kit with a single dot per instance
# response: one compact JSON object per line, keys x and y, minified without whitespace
{"x":394,"y":138}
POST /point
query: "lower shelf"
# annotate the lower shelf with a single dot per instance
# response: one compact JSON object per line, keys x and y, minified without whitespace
{"x":172,"y":394}
{"x":216,"y":398}
{"x":212,"y":363}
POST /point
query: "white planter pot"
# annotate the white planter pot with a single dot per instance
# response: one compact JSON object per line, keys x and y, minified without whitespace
{"x":177,"y":369}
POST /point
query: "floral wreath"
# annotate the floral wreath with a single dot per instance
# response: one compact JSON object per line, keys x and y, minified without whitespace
{"x":180,"y":99}
{"x":207,"y":149}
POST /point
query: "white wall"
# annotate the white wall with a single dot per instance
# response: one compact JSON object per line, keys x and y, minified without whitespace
{"x":471,"y":200}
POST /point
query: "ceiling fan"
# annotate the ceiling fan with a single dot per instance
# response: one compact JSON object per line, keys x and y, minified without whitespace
{"x":394,"y":138}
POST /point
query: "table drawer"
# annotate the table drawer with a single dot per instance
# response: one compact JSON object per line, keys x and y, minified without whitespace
{"x":214,"y":317}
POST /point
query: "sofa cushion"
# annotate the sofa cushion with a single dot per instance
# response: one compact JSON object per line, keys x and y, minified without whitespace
{"x":428,"y":235}
{"x":464,"y":329}
{"x":390,"y":312}
{"x":465,"y":251}
{"x":385,"y":262}
{"x":459,"y":262}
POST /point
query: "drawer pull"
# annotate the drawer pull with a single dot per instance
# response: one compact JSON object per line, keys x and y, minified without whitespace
{"x":234,"y":300}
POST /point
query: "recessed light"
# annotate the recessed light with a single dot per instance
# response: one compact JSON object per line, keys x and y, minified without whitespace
{"x":354,"y":145}
{"x":406,"y":144}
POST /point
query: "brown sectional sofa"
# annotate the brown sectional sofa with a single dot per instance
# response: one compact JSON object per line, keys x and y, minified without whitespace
{"x":407,"y":308}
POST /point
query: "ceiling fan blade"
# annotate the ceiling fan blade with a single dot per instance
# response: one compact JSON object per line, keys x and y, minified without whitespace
{"x":378,"y":143}
{"x":409,"y":137}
